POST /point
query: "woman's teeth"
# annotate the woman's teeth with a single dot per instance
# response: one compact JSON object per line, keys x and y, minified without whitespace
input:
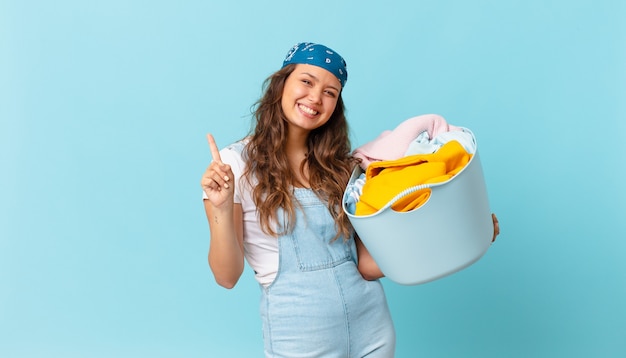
{"x":308,"y":110}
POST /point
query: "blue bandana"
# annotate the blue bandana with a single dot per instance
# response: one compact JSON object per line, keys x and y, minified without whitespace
{"x":320,"y":56}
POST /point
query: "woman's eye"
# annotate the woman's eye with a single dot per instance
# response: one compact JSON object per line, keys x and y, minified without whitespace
{"x":331,"y":93}
{"x":306,"y":82}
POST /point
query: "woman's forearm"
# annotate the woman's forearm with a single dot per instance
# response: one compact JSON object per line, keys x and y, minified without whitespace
{"x":226,"y":257}
{"x":367,"y":266}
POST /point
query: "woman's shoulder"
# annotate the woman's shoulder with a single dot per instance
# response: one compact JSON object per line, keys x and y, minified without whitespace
{"x":235,"y":149}
{"x":234,"y":154}
{"x":237,"y":146}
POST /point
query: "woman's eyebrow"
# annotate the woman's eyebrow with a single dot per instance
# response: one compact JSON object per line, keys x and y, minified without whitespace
{"x":310,"y":75}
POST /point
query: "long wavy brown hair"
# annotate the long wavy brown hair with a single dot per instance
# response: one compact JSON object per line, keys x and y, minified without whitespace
{"x":328,"y":158}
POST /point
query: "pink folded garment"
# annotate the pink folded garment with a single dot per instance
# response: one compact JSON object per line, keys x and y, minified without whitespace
{"x":391,"y":145}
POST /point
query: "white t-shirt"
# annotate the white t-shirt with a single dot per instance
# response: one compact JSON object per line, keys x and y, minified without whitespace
{"x":260,"y":250}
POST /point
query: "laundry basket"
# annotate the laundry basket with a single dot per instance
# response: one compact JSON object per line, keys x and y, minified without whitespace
{"x":449,"y":232}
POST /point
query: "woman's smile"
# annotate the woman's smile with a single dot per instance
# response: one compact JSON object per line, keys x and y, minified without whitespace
{"x":307,"y":110}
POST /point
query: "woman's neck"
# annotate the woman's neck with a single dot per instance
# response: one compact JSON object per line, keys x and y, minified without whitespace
{"x":296,"y":151}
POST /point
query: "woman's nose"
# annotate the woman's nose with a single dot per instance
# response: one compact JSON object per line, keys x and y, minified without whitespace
{"x":315,"y":95}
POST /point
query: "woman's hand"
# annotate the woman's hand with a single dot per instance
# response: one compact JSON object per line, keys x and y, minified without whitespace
{"x":496,"y":227}
{"x":367,"y":266}
{"x":218,"y":180}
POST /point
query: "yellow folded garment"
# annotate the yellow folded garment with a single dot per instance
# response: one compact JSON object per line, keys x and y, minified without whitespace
{"x":386,"y":179}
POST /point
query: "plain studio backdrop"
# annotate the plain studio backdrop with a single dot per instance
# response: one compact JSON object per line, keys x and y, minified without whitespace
{"x":104,"y":108}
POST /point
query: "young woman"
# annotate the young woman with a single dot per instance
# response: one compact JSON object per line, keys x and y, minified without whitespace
{"x":274,"y":198}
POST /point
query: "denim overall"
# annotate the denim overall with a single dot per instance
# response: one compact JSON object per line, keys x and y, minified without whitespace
{"x":319,"y":305}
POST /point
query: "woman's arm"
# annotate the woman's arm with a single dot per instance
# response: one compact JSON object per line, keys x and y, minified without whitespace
{"x":226,"y":247}
{"x":367,"y":266}
{"x":225,"y":220}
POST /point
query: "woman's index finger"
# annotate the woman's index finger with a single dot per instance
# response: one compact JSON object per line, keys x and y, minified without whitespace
{"x":215,"y":152}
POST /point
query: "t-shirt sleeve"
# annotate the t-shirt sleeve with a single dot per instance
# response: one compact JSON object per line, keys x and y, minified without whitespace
{"x":233,"y":158}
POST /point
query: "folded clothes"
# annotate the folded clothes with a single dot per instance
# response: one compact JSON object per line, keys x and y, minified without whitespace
{"x":423,"y":144}
{"x":391,"y":145}
{"x":353,"y":193}
{"x":386,"y":179}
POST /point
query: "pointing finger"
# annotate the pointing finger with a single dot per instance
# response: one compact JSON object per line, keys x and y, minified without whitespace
{"x":215,"y":153}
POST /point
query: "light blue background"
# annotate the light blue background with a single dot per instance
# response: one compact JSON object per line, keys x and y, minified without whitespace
{"x":104,"y":107}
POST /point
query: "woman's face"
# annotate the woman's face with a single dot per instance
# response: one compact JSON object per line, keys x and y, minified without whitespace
{"x":309,"y":97}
